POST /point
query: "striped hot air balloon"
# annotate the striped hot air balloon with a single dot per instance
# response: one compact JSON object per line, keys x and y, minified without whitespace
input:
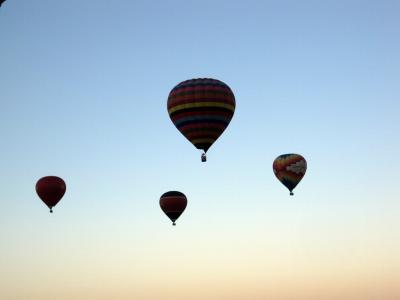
{"x":173,"y":204}
{"x":290,"y":169}
{"x":201,"y":109}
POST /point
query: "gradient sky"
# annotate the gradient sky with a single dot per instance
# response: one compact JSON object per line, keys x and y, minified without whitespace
{"x":83,"y":92}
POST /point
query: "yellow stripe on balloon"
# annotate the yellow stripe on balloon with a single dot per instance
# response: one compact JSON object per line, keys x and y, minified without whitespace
{"x":202,"y":141}
{"x":201,"y":104}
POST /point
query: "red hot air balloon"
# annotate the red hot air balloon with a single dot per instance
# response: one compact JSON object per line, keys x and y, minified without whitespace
{"x":50,"y":189}
{"x":290,"y":169}
{"x":201,"y":109}
{"x":173,"y":204}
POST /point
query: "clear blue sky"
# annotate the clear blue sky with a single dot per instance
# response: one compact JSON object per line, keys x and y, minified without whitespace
{"x":83,"y":92}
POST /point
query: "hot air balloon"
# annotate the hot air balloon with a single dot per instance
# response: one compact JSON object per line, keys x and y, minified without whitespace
{"x":173,"y":204}
{"x":201,"y":109}
{"x":290,"y":169}
{"x":1,"y":2}
{"x":50,"y":189}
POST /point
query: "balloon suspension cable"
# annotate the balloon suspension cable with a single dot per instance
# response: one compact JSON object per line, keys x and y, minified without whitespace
{"x":173,"y":223}
{"x":291,"y":193}
{"x":203,"y":157}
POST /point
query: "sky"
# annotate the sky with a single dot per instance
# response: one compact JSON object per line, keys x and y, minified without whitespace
{"x":83,"y":94}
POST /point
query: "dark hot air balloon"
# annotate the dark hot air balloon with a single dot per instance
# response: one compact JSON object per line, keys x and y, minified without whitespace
{"x":50,"y":189}
{"x":173,"y":204}
{"x":290,"y":169}
{"x":201,"y":109}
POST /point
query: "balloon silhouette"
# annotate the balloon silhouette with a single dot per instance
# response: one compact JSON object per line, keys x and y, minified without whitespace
{"x":290,"y":169}
{"x":50,"y":189}
{"x":201,"y":109}
{"x":173,"y":204}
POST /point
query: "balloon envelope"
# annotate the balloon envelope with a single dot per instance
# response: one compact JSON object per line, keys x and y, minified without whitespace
{"x":50,"y":189}
{"x":290,"y":169}
{"x":173,"y":204}
{"x":201,"y":109}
